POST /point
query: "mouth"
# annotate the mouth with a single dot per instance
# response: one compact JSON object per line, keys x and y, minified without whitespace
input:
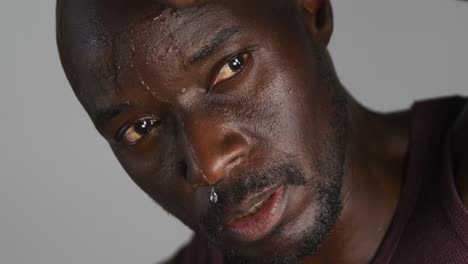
{"x":257,"y":215}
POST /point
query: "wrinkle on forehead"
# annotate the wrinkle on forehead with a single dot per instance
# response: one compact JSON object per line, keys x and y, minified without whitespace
{"x":156,"y":39}
{"x":154,"y":35}
{"x":168,"y":32}
{"x":88,"y":33}
{"x":142,"y":82}
{"x":99,"y":38}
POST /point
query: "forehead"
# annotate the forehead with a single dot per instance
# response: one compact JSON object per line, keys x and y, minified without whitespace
{"x":114,"y":46}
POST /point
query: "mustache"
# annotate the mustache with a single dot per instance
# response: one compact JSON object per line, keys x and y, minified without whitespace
{"x":243,"y":183}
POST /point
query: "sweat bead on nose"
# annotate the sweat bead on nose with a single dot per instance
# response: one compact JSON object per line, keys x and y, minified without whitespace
{"x":213,"y":195}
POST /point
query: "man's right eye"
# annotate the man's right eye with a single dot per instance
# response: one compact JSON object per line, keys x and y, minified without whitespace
{"x":136,"y":131}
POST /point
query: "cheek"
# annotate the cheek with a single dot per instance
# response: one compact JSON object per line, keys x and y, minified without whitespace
{"x":299,"y":117}
{"x":285,"y":118}
{"x":161,"y":179}
{"x":289,"y":97}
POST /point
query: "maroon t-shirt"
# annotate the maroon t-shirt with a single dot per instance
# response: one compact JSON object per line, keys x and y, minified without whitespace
{"x":430,"y":224}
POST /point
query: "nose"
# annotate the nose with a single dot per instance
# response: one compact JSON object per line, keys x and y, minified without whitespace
{"x":211,"y":151}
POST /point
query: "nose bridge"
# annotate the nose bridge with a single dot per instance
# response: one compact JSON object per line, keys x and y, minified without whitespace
{"x":211,"y":150}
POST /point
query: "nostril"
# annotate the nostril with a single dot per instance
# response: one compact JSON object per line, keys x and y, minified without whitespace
{"x":235,"y":161}
{"x":236,"y":150}
{"x":185,"y":171}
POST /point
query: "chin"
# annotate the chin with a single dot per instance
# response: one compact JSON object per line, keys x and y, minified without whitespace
{"x":293,"y":239}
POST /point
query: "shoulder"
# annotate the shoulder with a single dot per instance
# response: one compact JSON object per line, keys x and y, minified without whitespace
{"x":460,"y":147}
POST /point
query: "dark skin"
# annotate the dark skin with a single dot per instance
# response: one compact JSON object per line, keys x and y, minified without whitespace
{"x":460,"y":145}
{"x":180,"y":120}
{"x":183,"y":3}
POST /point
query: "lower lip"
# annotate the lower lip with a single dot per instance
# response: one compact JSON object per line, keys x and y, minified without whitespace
{"x":257,"y":226}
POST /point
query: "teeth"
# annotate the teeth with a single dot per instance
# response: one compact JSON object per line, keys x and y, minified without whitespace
{"x":253,"y":210}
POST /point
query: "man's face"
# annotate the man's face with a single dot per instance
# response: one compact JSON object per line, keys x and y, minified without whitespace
{"x":233,"y":97}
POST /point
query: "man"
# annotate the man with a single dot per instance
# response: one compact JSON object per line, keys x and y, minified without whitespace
{"x":230,"y":115}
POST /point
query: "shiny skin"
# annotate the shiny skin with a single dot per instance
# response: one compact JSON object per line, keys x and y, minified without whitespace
{"x":285,"y":105}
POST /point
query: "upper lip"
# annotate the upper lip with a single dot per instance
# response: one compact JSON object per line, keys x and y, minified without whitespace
{"x":248,"y":202}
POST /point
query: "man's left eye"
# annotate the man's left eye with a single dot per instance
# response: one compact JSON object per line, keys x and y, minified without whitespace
{"x":231,"y":68}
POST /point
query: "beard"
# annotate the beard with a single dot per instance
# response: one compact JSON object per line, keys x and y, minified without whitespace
{"x":312,"y":237}
{"x":328,"y":209}
{"x":329,"y":165}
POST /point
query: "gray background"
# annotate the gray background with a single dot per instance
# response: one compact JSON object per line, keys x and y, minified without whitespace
{"x":64,"y":197}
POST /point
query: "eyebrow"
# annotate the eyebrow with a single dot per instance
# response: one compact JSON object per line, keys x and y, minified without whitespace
{"x":210,"y":47}
{"x":104,"y":116}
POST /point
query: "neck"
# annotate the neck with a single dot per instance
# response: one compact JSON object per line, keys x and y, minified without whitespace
{"x":377,"y":146}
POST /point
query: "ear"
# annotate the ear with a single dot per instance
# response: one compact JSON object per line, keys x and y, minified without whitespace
{"x":318,"y":17}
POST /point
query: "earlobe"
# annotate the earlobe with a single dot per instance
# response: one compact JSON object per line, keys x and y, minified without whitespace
{"x":318,"y":17}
